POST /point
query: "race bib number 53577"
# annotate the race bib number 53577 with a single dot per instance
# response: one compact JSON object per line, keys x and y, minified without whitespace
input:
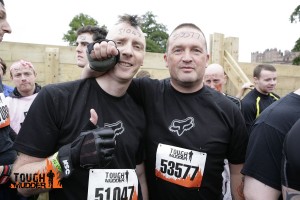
{"x":180,"y":166}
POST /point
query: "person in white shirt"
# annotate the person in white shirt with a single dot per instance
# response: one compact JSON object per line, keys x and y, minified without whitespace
{"x":23,"y":75}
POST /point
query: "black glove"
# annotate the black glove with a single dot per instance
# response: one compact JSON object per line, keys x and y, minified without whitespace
{"x":91,"y":149}
{"x":101,"y":65}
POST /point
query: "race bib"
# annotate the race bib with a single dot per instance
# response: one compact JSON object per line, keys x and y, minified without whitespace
{"x":180,"y":166}
{"x":112,"y":184}
{"x":4,"y":114}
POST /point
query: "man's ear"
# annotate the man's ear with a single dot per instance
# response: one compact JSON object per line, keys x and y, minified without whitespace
{"x":166,"y":60}
{"x":255,"y":80}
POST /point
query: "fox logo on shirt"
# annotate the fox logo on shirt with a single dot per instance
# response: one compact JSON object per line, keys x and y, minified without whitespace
{"x":180,"y":126}
{"x":117,"y":127}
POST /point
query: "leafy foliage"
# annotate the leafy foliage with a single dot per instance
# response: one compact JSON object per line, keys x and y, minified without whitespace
{"x":293,"y":18}
{"x":295,"y":15}
{"x":77,"y":22}
{"x":297,"y":46}
{"x":296,"y":61}
{"x":156,"y":34}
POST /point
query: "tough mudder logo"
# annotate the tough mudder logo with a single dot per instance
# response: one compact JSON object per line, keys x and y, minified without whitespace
{"x":117,"y":127}
{"x":45,"y":179}
{"x":116,"y":177}
{"x":182,"y":155}
{"x":180,"y":126}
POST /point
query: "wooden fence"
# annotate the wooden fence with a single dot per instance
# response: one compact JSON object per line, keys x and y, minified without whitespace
{"x":58,"y":64}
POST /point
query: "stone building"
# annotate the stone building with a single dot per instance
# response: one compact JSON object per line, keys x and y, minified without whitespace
{"x":274,"y":56}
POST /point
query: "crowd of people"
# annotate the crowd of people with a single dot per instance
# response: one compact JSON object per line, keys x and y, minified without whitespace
{"x":116,"y":133}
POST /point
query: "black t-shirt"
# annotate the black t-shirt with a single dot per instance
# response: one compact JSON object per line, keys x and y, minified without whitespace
{"x":290,"y":169}
{"x":264,"y":152}
{"x":205,"y":121}
{"x":61,"y":111}
{"x":235,"y":100}
{"x":254,"y":103}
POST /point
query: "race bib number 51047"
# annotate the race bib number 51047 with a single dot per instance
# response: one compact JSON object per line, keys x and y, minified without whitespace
{"x":180,"y":166}
{"x":112,"y":184}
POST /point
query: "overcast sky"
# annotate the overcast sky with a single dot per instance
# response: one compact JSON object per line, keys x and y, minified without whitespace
{"x":259,"y":24}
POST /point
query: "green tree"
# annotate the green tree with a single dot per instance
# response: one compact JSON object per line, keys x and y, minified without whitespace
{"x":156,"y":34}
{"x":296,"y":61}
{"x":295,"y":16}
{"x":297,"y":46}
{"x":77,"y":22}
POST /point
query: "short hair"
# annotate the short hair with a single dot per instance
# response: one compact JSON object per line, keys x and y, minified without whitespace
{"x":98,"y":33}
{"x":1,"y":1}
{"x":257,"y":70}
{"x":4,"y":66}
{"x":133,"y":20}
{"x":143,"y":73}
{"x":190,"y":25}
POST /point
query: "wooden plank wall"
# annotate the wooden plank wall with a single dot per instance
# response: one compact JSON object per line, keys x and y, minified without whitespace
{"x":57,"y":63}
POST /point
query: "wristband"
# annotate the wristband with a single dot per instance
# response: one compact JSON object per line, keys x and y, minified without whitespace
{"x":55,"y":162}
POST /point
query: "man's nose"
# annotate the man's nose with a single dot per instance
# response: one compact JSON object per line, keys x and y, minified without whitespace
{"x":6,"y":27}
{"x":127,"y":49}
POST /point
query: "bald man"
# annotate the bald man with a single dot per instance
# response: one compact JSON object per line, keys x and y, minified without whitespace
{"x":216,"y":78}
